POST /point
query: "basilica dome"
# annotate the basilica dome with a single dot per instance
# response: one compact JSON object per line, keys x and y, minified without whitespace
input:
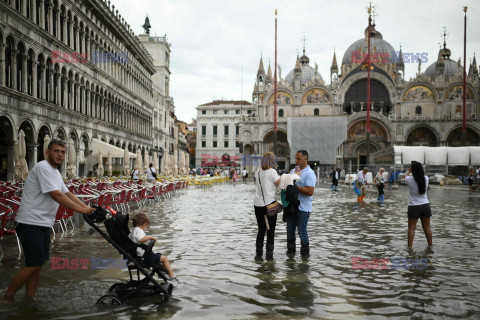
{"x":451,"y":68}
{"x":307,"y":72}
{"x":377,"y":45}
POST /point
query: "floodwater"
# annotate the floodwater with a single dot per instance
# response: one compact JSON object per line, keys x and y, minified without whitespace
{"x":209,"y":236}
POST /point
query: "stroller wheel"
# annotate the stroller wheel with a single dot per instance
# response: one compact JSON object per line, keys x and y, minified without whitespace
{"x":109,"y":300}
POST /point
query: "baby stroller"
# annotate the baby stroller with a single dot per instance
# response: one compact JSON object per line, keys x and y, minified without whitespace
{"x":116,"y":225}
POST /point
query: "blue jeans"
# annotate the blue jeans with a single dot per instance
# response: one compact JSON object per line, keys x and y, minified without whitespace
{"x":299,"y":221}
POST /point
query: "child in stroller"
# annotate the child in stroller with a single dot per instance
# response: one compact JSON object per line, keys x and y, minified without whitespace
{"x":138,"y":236}
{"x":116,"y":225}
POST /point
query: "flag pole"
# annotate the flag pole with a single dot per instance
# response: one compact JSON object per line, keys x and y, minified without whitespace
{"x":464,"y":128}
{"x":275,"y":103}
{"x":368,"y":84}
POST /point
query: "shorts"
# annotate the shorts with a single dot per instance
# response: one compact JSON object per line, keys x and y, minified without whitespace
{"x":335,"y":182}
{"x":420,"y":211}
{"x":35,"y":242}
{"x":153,"y":258}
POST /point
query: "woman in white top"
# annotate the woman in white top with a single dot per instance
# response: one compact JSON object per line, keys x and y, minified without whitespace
{"x":266,"y":182}
{"x":418,"y":206}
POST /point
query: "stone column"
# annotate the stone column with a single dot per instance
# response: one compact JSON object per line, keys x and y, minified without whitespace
{"x":58,"y":85}
{"x":71,"y":32}
{"x":24,"y":73}
{"x":57,"y":22}
{"x":14,"y":69}
{"x":33,"y":159}
{"x":51,"y":87}
{"x":24,"y":7}
{"x":65,"y":92}
{"x":33,"y":9}
{"x":50,"y":18}
{"x":41,"y":15}
{"x":88,"y":104}
{"x":64,"y":29}
{"x":34,"y":78}
{"x":2,"y":64}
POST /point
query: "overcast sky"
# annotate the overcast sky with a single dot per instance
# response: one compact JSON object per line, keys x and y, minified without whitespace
{"x":212,"y":40}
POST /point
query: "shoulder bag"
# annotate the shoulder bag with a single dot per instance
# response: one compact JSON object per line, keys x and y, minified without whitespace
{"x":273,"y":208}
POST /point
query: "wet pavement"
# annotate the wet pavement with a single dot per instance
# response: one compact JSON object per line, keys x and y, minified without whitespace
{"x":209,"y":236}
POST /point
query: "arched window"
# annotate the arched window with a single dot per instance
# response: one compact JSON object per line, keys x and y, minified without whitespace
{"x":418,"y":110}
{"x":316,"y":112}
{"x":280,"y":113}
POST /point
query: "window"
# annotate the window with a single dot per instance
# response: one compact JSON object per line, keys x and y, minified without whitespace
{"x":237,"y":130}
{"x":204,"y":144}
{"x":237,"y":111}
{"x":225,"y":130}
{"x":237,"y":144}
{"x":225,"y":144}
{"x":204,"y":130}
{"x":458,"y":109}
{"x":226,"y":111}
{"x":249,"y":111}
{"x":316,"y":112}
{"x":280,"y":113}
{"x":215,"y":129}
{"x":214,"y":144}
{"x":204,"y":111}
{"x":215,"y":111}
{"x":418,"y":110}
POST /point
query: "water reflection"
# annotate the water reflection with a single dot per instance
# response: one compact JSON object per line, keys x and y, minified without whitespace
{"x":209,"y":236}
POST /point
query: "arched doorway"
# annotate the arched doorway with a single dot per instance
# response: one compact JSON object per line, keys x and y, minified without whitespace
{"x":422,"y":136}
{"x":356,"y":97}
{"x":44,"y":130}
{"x":6,"y":149}
{"x":283,"y":148}
{"x":455,"y":138}
{"x":356,"y":155}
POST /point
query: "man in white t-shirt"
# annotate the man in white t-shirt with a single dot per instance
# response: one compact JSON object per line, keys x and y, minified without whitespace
{"x":151,"y":173}
{"x":42,"y":194}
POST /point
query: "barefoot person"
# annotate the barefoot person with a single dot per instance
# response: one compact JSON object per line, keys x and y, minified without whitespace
{"x":43,"y":192}
{"x":362,"y":183}
{"x":418,"y":206}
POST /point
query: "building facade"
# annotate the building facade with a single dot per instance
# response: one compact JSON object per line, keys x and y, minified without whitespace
{"x":425,"y":110}
{"x":218,"y":132}
{"x":74,"y":70}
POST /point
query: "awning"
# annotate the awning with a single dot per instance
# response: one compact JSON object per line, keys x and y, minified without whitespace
{"x":98,"y":146}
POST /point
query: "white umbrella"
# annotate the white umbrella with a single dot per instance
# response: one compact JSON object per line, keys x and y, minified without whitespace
{"x":126,"y":162}
{"x":100,"y":165}
{"x":147,"y":161}
{"x":22,"y":152}
{"x":71,"y":168}
{"x":16,"y":153}
{"x":46,"y":141}
{"x":109,"y":164}
{"x":139,"y":160}
{"x":155,"y":161}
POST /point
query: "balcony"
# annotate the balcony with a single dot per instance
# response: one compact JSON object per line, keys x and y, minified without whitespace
{"x":440,"y":117}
